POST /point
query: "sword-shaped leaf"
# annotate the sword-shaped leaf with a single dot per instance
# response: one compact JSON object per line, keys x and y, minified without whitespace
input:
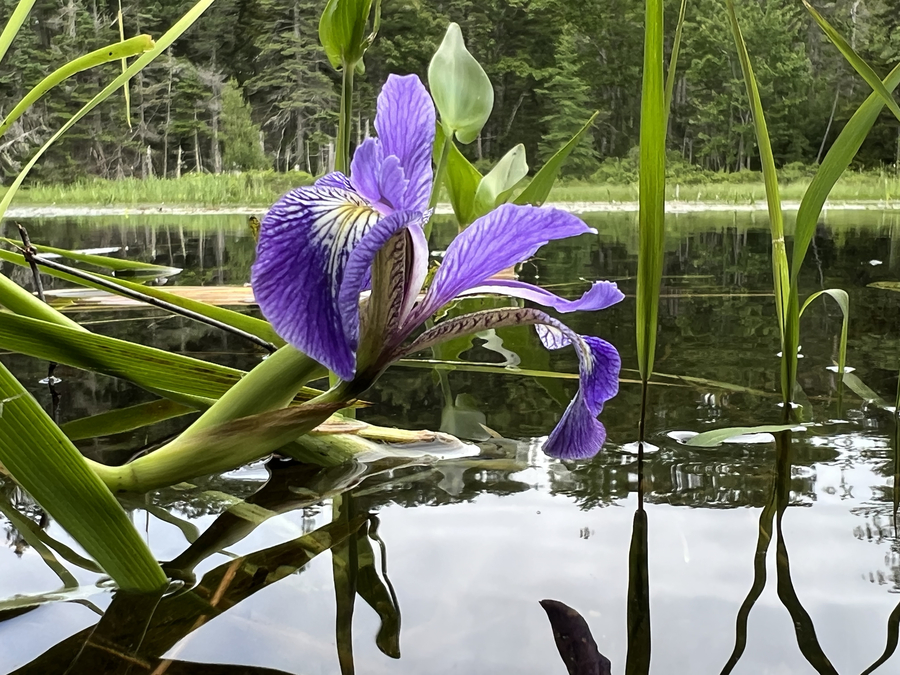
{"x":43,"y":461}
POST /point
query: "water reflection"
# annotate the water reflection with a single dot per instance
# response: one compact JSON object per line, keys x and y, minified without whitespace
{"x":474,"y":543}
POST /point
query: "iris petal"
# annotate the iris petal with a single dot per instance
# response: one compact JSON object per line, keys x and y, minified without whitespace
{"x":304,"y":244}
{"x":508,"y":235}
{"x":579,"y":434}
{"x":365,"y":168}
{"x":360,"y":263}
{"x":405,"y":122}
{"x":600,"y":295}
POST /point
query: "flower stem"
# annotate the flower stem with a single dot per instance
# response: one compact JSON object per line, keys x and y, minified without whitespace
{"x":342,"y":154}
{"x":439,"y":177}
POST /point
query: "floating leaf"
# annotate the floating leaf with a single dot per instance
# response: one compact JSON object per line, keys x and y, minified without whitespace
{"x":710,"y":439}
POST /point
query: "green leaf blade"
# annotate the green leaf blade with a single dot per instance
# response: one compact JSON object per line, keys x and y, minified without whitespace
{"x":538,"y":189}
{"x":41,"y":459}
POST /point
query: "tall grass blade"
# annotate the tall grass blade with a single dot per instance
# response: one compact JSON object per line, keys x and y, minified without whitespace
{"x":843,"y":301}
{"x":835,"y":163}
{"x":44,"y":462}
{"x":249,"y":324}
{"x":160,"y":46}
{"x":11,"y":29}
{"x":16,"y":299}
{"x":153,"y":369}
{"x":125,"y":90}
{"x":102,"y":261}
{"x":124,"y":419}
{"x":673,"y":60}
{"x":780,"y":269}
{"x":652,"y":188}
{"x":112,"y":52}
{"x":859,"y":64}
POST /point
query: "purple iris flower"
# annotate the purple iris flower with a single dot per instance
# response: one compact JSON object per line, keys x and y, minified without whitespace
{"x":321,"y":246}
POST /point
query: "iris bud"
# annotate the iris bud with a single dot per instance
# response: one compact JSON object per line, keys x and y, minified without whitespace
{"x":460,"y":88}
{"x":342,"y":31}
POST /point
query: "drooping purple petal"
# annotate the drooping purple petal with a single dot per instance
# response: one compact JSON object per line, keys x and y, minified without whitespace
{"x":579,"y":434}
{"x":471,"y":323}
{"x":601,"y":295}
{"x":405,"y":122}
{"x":508,"y":235}
{"x":359,"y":265}
{"x":305,"y":241}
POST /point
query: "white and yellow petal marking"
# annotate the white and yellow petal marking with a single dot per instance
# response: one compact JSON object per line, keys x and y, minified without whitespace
{"x":304,"y":244}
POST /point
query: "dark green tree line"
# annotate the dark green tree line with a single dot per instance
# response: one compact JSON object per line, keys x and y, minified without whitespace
{"x":249,"y":86}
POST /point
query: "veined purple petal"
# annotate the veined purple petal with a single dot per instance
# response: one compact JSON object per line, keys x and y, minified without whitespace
{"x":335,"y":179}
{"x":360,"y":263}
{"x":365,"y":167}
{"x":405,"y":122}
{"x":579,"y":434}
{"x":508,"y":235}
{"x":305,"y":241}
{"x":601,"y":295}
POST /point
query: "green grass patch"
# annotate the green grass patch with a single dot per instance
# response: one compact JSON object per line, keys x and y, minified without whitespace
{"x":262,"y":188}
{"x":251,"y":188}
{"x":745,"y":187}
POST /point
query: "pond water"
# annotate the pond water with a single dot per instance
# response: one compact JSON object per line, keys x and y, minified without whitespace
{"x":753,"y":557}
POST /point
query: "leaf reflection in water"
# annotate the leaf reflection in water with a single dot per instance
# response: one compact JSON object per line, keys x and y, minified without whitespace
{"x":574,"y":641}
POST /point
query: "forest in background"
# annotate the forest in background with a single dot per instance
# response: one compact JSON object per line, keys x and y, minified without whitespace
{"x":249,"y":87}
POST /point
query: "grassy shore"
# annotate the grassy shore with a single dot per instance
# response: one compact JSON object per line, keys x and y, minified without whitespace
{"x":262,"y":188}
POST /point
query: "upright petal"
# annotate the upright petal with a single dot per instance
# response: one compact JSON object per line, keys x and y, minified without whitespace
{"x":508,"y":235}
{"x":579,"y":434}
{"x":600,"y":295}
{"x":305,"y":241}
{"x":405,"y":122}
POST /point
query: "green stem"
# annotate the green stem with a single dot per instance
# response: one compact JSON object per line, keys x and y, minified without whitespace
{"x":272,"y":385}
{"x":439,"y":176}
{"x":342,"y":155}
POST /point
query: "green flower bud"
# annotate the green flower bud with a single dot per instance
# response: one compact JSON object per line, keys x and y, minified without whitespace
{"x":342,"y":31}
{"x":461,"y":89}
{"x":495,"y":188}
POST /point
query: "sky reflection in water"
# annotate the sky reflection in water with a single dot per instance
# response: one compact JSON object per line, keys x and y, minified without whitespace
{"x":473,"y":546}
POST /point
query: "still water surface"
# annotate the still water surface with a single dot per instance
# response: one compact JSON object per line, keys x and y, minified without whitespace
{"x":455,"y":556}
